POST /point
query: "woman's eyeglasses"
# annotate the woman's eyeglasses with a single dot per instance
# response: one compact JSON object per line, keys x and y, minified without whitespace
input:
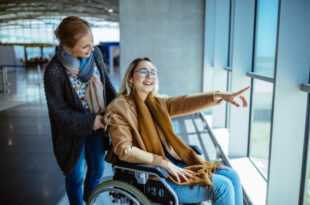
{"x":144,"y":72}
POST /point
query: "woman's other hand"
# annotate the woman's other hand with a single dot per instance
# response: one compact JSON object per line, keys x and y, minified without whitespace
{"x":98,"y":123}
{"x":178,"y":172}
{"x":230,"y":97}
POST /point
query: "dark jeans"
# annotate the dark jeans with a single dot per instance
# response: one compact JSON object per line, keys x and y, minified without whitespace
{"x":94,"y":153}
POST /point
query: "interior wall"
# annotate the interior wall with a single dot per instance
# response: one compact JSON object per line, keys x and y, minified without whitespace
{"x":171,"y":34}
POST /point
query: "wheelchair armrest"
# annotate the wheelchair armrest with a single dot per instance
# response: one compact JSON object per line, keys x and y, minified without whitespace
{"x":161,"y":172}
{"x":196,"y":149}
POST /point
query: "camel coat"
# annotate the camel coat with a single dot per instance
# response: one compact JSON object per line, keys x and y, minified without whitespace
{"x":124,"y":130}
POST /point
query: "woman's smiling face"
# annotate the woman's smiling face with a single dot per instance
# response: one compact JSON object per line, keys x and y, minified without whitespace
{"x":83,"y":46}
{"x":144,"y":77}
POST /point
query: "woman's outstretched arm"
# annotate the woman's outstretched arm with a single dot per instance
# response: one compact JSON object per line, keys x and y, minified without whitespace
{"x":188,"y":104}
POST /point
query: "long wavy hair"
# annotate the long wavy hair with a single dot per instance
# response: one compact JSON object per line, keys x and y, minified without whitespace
{"x":126,"y":88}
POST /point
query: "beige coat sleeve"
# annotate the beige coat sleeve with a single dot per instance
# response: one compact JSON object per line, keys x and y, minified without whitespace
{"x":125,"y":148}
{"x":189,"y":104}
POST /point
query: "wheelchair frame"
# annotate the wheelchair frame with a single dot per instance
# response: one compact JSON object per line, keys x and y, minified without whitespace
{"x":141,"y":176}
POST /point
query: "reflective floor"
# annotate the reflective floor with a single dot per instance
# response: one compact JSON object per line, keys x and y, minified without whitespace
{"x":28,"y":170}
{"x":27,"y":165}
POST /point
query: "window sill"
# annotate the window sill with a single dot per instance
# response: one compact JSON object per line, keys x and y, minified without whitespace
{"x":253,"y":183}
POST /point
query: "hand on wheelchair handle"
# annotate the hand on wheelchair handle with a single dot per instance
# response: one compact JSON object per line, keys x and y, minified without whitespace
{"x":178,"y":172}
{"x":98,"y":123}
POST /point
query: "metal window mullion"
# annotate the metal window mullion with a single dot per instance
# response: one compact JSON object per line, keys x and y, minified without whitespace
{"x":260,"y":77}
{"x":207,"y":157}
{"x":305,"y":87}
{"x":250,"y":117}
{"x":229,"y":69}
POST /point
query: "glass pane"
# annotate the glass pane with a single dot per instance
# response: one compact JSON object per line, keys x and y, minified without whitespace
{"x":266,"y":36}
{"x":307,"y":165}
{"x":308,"y":189}
{"x":48,"y":52}
{"x":260,"y":124}
{"x":231,"y":32}
{"x":35,"y":32}
{"x":33,"y":52}
{"x":228,"y":105}
{"x":27,"y":34}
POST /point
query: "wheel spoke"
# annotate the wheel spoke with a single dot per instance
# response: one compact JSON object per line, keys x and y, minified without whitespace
{"x":117,"y":192}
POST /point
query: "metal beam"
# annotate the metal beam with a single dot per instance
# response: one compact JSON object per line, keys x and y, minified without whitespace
{"x":51,"y":14}
{"x":107,"y":3}
{"x":269,"y":79}
{"x":12,"y":10}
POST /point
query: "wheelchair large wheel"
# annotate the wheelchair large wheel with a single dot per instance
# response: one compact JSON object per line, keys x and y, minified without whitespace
{"x":117,"y":192}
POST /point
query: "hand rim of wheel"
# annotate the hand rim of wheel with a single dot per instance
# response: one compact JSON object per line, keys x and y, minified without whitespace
{"x":123,"y":187}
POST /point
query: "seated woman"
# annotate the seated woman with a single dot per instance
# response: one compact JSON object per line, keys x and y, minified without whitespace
{"x":141,"y":132}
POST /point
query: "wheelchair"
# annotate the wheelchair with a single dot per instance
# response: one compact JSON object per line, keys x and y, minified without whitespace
{"x":137,"y":188}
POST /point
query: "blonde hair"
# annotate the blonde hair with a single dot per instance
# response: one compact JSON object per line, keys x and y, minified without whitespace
{"x":126,"y":89}
{"x":71,"y":29}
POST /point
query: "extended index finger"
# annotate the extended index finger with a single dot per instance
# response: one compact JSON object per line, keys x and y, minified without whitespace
{"x":242,"y":91}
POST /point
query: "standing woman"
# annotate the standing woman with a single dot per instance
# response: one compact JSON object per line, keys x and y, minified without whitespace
{"x":78,"y":89}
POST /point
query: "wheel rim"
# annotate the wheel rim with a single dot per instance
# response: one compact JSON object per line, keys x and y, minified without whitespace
{"x":117,"y":191}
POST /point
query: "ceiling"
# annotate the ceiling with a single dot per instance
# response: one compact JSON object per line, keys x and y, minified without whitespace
{"x":13,"y":11}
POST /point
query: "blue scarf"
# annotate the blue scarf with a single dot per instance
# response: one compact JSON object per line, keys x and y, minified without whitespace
{"x":85,"y":65}
{"x":84,"y":70}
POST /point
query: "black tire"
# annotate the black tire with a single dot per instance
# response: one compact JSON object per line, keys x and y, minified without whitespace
{"x":117,"y":192}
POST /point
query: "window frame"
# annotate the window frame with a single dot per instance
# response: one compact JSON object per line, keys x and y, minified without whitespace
{"x":271,"y":79}
{"x":228,"y":68}
{"x":306,"y":152}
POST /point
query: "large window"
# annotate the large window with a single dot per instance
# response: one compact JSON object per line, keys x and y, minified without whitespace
{"x":42,"y":30}
{"x":264,"y":58}
{"x":261,"y":122}
{"x":265,"y":36}
{"x":229,"y":57}
{"x":305,"y":180}
{"x":33,"y":52}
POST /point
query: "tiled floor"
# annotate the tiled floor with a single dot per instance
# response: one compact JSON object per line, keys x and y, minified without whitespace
{"x":28,"y":170}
